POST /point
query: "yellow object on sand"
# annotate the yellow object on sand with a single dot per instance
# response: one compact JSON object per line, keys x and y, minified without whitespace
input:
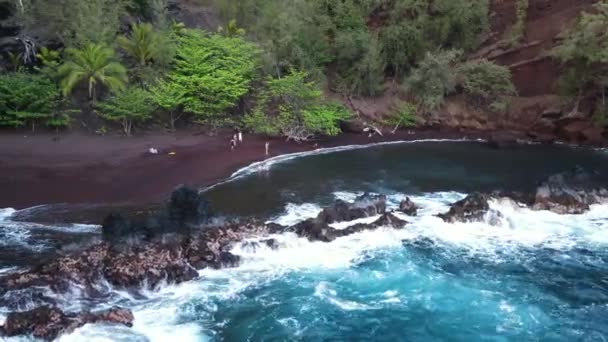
{"x":171,"y":153}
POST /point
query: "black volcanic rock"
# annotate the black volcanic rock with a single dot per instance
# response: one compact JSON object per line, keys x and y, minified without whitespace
{"x":48,"y":323}
{"x":317,"y":230}
{"x":364,"y":206}
{"x":571,"y":192}
{"x":472,"y":208}
{"x":187,"y":209}
{"x":408,"y":207}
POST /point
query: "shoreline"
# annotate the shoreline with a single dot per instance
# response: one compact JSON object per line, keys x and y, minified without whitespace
{"x":116,"y":170}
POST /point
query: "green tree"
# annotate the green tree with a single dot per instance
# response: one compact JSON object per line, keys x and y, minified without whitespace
{"x":487,"y":84}
{"x":151,"y":50}
{"x":214,"y":73}
{"x":584,"y":54}
{"x":293,"y":107}
{"x":433,"y":79}
{"x":49,"y":60}
{"x":130,"y":106}
{"x":142,"y":44}
{"x":27,"y":99}
{"x":92,"y":64}
{"x":169,"y":96}
{"x":74,"y":23}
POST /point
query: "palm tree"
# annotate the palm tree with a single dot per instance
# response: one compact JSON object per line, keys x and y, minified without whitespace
{"x":95,"y":63}
{"x":143,"y":45}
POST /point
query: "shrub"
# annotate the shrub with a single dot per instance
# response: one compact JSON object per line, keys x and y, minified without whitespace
{"x":487,"y":83}
{"x":519,"y":29}
{"x":27,"y":99}
{"x":132,"y":105}
{"x":433,"y":79}
{"x":584,"y":53}
{"x":403,"y":116}
{"x":293,"y":107}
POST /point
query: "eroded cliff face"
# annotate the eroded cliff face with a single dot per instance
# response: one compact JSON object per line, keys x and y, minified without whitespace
{"x":538,"y":112}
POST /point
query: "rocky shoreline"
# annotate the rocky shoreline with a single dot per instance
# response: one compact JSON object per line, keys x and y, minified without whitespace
{"x":172,"y":244}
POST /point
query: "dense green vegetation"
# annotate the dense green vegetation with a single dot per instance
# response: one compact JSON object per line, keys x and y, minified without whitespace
{"x":293,"y":107}
{"x":267,"y":68}
{"x":27,"y":99}
{"x":584,"y":53}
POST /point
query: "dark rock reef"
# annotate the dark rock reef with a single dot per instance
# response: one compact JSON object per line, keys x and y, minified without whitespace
{"x":48,"y":323}
{"x":168,"y":246}
{"x":570,"y":192}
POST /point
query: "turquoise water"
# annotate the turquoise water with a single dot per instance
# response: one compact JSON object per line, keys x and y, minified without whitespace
{"x":519,"y":275}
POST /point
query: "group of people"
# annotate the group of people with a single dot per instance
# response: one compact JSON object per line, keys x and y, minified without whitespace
{"x":237,"y":139}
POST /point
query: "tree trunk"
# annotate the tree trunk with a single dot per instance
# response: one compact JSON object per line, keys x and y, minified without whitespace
{"x":126,"y":126}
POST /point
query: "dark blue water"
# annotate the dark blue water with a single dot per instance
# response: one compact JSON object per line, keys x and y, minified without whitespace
{"x":531,"y":276}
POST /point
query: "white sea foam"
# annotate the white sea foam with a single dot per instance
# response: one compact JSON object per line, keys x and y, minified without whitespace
{"x":162,"y":315}
{"x":6,"y":213}
{"x":325,"y":292}
{"x":295,"y":213}
{"x":17,"y":233}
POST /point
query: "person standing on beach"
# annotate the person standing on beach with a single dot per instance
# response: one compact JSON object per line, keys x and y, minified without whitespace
{"x":267,"y":148}
{"x":232,"y":144}
{"x":240,"y":137}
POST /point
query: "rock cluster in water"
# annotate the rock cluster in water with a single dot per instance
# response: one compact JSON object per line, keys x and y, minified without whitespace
{"x":48,"y":322}
{"x":571,"y":192}
{"x":146,"y":251}
{"x":172,"y":245}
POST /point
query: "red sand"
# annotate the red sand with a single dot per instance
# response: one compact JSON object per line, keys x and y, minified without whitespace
{"x":77,"y":168}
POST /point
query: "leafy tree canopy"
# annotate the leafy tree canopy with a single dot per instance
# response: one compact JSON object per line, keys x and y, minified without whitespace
{"x":213,"y":71}
{"x":132,"y":105}
{"x":27,"y":99}
{"x":294,"y":107}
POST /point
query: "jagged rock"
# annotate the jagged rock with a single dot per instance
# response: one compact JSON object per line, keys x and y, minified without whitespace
{"x":187,"y":206}
{"x":185,"y":210}
{"x":472,"y":208}
{"x":571,"y":192}
{"x":48,"y":323}
{"x":149,"y":264}
{"x":317,"y":230}
{"x":364,"y":206}
{"x":408,"y":207}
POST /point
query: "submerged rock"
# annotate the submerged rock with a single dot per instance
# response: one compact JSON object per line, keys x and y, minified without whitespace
{"x":570,"y":192}
{"x":408,"y":207}
{"x":48,"y":323}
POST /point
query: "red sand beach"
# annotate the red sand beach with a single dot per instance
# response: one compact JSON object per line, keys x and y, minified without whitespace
{"x":79,"y":168}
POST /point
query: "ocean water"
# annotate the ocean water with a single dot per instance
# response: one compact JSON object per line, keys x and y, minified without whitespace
{"x":519,"y":275}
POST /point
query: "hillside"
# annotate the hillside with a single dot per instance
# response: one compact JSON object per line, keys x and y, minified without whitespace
{"x":537,"y":111}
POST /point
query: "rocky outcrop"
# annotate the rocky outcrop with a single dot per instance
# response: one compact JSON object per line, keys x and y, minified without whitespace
{"x":472,"y":208}
{"x":48,"y":323}
{"x":408,"y":207}
{"x":185,"y":210}
{"x":364,"y":206}
{"x":571,"y":192}
{"x":317,"y":230}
